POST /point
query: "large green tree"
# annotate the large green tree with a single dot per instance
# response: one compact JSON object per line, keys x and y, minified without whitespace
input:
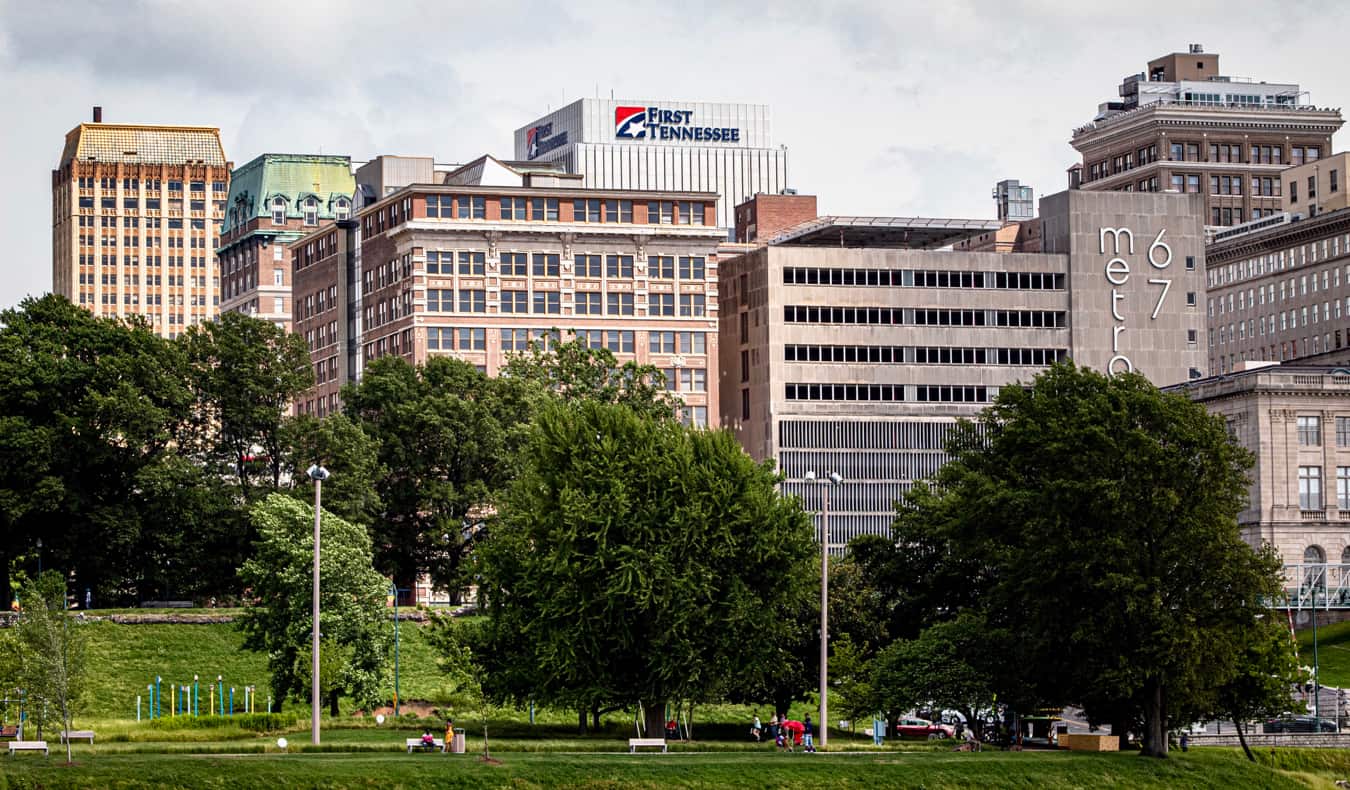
{"x":347,"y":452}
{"x":352,"y":616}
{"x":445,"y":435}
{"x":1099,"y":517}
{"x":574,"y":370}
{"x":87,"y":406}
{"x":638,"y":561}
{"x":245,"y":373}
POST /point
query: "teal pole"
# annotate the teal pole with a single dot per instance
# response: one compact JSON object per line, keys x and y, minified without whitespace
{"x":221,"y":682}
{"x":157,"y":696}
{"x":150,"y":701}
{"x":231,"y":700}
{"x":196,"y":698}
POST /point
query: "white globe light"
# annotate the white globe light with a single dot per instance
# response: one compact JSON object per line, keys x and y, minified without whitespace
{"x":281,"y":743}
{"x":379,"y":718}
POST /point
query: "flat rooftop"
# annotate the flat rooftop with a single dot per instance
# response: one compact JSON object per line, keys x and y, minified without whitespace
{"x":913,"y":233}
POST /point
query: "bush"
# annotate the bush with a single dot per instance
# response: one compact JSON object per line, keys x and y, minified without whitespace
{"x":261,"y":723}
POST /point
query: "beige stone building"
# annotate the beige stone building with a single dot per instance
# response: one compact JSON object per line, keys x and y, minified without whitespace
{"x":136,"y":214}
{"x":1182,"y":125}
{"x":1317,"y":187}
{"x":476,"y":261}
{"x":1295,"y":419}
{"x":853,"y":344}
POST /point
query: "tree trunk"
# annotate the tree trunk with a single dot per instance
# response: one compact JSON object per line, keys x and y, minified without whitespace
{"x":65,"y":722}
{"x":654,"y":718}
{"x":581,"y":721}
{"x":1122,"y":732}
{"x":595,"y":718}
{"x":1155,"y":720}
{"x":1242,"y":738}
{"x":333,"y":704}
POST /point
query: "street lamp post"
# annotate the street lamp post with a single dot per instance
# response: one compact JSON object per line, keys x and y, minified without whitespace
{"x":1317,"y":675}
{"x":318,"y":474}
{"x":834,"y":479}
{"x":393,"y":586}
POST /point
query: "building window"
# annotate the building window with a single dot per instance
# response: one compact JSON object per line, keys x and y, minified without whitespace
{"x":691,"y":268}
{"x":515,"y":301}
{"x":278,"y":211}
{"x":1310,"y":431}
{"x":472,"y":207}
{"x":619,"y":266}
{"x":472,"y":301}
{"x":545,"y":264}
{"x":745,"y":404}
{"x":514,"y":264}
{"x":619,"y":304}
{"x":471,"y":263}
{"x":661,"y":267}
{"x":1343,"y":431}
{"x":1335,"y":185}
{"x":513,"y":208}
{"x":693,"y":304}
{"x":661,"y":304}
{"x":1310,"y":488}
{"x":547,"y":302}
{"x":588,"y":303}
{"x":1343,"y":488}
{"x":310,"y":209}
{"x":342,"y":209}
{"x":544,"y":209}
{"x":587,"y":266}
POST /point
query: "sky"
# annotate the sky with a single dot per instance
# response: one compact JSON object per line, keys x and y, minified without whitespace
{"x":886,"y":108}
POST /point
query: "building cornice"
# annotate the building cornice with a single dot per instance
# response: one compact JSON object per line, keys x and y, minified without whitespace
{"x":1261,"y":241}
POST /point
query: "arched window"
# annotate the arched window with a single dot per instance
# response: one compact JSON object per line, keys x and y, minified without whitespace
{"x":342,"y":209}
{"x":1314,"y":567}
{"x":311,"y":209}
{"x":279,"y":211}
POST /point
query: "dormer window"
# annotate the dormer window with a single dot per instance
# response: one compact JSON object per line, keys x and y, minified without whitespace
{"x":278,"y":211}
{"x":342,"y":209}
{"x":311,"y":210}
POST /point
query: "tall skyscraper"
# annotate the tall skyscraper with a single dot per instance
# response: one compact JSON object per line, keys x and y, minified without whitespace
{"x":1183,"y":126}
{"x":274,"y":200}
{"x":136,"y":213}
{"x":662,"y":145}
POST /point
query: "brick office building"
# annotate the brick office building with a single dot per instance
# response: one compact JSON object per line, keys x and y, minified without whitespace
{"x":1183,"y":126}
{"x":274,"y":200}
{"x":136,"y":212}
{"x":477,"y":261}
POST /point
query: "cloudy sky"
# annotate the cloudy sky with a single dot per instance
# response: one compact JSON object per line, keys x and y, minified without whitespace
{"x":886,"y":107}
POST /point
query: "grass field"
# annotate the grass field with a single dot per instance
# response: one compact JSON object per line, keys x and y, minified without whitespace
{"x":1333,"y":653}
{"x":1198,"y":769}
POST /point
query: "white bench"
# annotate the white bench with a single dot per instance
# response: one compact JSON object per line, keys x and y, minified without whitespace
{"x":77,"y":735}
{"x":635,"y":743}
{"x":416,"y":743}
{"x":28,"y":746}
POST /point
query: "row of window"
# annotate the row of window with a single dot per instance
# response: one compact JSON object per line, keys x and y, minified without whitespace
{"x":151,"y":184}
{"x":922,"y":278}
{"x":924,"y":355}
{"x":1310,"y":488}
{"x":1320,"y":250}
{"x":923,"y":393}
{"x":1230,"y":153}
{"x":1239,"y":300}
{"x":470,"y":300}
{"x":545,"y":264}
{"x":911,"y":316}
{"x":517,"y":339}
{"x":588,"y":210}
{"x":1310,"y":431}
{"x":1288,"y":319}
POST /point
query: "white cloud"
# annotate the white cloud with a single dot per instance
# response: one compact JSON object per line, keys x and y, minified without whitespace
{"x":886,"y":107}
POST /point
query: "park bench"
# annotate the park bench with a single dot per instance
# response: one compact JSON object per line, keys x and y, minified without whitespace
{"x":9,"y":731}
{"x":28,"y":746}
{"x":416,"y":743}
{"x":77,"y":735}
{"x":636,"y":743}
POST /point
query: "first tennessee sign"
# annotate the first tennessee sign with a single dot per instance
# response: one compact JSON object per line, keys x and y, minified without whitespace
{"x":1118,"y":270}
{"x":658,"y":123}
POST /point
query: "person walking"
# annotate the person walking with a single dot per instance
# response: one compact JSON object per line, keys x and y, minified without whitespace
{"x":808,"y":735}
{"x":756,"y":729}
{"x":773,"y":728}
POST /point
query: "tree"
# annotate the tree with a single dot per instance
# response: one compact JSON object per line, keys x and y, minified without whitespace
{"x":446,"y":435}
{"x":953,"y":665}
{"x":342,"y":447}
{"x":49,"y":654}
{"x":458,"y":647}
{"x":1264,"y":674}
{"x":573,"y":370}
{"x":246,"y":372}
{"x":638,"y":561}
{"x":86,"y":406}
{"x":1101,"y":515}
{"x":352,"y":619}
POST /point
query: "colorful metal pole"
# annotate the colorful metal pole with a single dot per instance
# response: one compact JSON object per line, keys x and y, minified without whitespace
{"x":196,"y":698}
{"x":138,"y":707}
{"x":221,"y":681}
{"x":231,"y":700}
{"x":158,"y":696}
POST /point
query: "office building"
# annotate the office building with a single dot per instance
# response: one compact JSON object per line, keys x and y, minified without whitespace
{"x":1183,"y":126}
{"x":662,"y":146}
{"x":274,"y":200}
{"x":136,"y":213}
{"x":478,"y":261}
{"x":853,"y":344}
{"x":1295,"y":419}
{"x":1279,"y":290}
{"x":1317,"y":187}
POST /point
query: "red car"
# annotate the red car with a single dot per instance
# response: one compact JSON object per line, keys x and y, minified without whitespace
{"x":923,"y":728}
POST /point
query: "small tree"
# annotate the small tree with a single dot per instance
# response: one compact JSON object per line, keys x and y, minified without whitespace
{"x":454,"y":645}
{"x":352,"y":619}
{"x":50,"y":654}
{"x":950,"y":665}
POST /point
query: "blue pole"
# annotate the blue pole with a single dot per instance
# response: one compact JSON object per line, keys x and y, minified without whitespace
{"x":196,"y":698}
{"x":231,"y":700}
{"x":157,"y":696}
{"x":222,"y":694}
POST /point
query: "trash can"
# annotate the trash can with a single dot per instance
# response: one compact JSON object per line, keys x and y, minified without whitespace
{"x":457,"y":742}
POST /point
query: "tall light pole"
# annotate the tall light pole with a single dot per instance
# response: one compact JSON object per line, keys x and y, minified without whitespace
{"x":833,"y":479}
{"x":318,"y":474}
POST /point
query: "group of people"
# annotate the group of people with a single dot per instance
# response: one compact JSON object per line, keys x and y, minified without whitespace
{"x":786,"y":733}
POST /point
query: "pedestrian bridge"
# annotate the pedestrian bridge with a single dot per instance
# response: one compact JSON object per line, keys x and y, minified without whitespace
{"x":1320,"y":585}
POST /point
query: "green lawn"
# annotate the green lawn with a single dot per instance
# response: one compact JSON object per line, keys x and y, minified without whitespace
{"x":1198,"y":769}
{"x":1333,"y":653}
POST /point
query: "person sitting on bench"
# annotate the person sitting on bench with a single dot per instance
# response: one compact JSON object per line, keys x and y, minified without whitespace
{"x":428,"y":740}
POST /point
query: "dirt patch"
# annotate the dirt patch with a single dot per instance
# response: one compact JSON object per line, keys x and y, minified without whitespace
{"x":422,"y":708}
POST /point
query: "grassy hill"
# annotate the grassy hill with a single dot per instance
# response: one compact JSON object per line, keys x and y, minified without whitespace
{"x":1333,"y":653}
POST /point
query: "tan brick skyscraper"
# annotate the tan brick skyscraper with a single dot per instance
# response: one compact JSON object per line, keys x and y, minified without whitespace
{"x":136,"y":214}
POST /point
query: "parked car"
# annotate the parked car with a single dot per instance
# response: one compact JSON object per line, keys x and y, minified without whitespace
{"x":1299,"y":724}
{"x":923,"y":728}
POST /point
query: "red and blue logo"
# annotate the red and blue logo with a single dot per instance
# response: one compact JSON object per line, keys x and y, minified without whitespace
{"x":630,"y":123}
{"x":541,"y":139}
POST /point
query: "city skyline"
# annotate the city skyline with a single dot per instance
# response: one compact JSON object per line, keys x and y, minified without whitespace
{"x":946,"y":102}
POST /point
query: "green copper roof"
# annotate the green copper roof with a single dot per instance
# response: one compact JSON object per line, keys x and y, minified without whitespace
{"x":292,"y":177}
